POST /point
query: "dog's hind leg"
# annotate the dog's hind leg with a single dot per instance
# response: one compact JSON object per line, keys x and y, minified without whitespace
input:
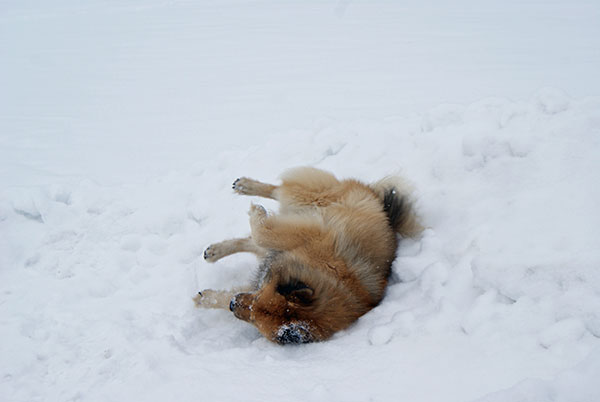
{"x":216,"y":251}
{"x":282,"y":232}
{"x":307,"y":187}
{"x":246,"y":186}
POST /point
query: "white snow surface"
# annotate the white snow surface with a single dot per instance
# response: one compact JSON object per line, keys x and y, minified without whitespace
{"x":123,"y":125}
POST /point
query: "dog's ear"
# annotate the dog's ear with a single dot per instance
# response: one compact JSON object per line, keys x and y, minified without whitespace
{"x":296,"y":292}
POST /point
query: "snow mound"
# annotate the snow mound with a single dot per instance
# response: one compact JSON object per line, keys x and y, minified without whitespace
{"x":498,"y":300}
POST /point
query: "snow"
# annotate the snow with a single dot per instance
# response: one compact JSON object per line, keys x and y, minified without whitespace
{"x":124,"y":124}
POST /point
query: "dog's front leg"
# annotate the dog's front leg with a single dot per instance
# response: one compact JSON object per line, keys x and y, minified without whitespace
{"x":209,"y":298}
{"x":216,"y":251}
{"x":282,"y":232}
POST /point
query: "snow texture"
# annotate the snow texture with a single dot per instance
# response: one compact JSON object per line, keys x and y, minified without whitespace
{"x":123,"y":125}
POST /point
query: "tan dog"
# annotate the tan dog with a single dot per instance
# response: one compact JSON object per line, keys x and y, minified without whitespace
{"x":326,"y":257}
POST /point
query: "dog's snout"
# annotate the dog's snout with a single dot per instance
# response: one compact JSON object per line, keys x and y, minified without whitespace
{"x":241,"y":305}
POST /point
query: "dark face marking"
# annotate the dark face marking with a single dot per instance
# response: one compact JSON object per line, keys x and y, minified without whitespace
{"x":296,"y":292}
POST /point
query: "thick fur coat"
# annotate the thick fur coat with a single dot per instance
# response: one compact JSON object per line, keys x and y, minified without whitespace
{"x":325,"y":257}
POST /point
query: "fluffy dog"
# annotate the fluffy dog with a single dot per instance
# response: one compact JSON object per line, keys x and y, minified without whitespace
{"x":325,"y":258}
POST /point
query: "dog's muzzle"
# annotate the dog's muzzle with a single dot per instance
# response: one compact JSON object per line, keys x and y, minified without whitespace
{"x":241,"y":305}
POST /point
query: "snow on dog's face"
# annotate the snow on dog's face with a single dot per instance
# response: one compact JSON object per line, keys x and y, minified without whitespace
{"x":280,"y":311}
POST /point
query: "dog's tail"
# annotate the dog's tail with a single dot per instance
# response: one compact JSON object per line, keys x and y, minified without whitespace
{"x":394,"y":193}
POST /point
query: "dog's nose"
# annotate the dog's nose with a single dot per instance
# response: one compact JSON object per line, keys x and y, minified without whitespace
{"x":241,"y":306}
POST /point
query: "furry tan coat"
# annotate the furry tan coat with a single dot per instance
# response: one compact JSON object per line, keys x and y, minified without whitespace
{"x":325,"y":258}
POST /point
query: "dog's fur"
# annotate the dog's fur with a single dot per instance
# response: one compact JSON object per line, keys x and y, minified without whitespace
{"x":326,"y":257}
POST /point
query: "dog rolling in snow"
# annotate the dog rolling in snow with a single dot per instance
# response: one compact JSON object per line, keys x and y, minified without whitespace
{"x":325,"y":258}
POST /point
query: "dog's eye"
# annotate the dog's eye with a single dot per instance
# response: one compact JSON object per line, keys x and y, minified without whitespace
{"x":289,"y":287}
{"x":296,"y":291}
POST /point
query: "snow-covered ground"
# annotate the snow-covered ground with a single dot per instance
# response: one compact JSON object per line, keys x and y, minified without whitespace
{"x":123,"y":124}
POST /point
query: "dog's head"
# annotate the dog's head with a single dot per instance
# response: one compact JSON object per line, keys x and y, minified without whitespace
{"x":297,"y":303}
{"x":281,"y":311}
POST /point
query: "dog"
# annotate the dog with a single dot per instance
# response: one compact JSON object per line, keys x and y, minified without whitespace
{"x":325,"y":258}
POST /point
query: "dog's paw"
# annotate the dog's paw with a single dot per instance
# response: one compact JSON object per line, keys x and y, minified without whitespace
{"x":245,"y":186}
{"x":258,"y":214}
{"x":206,"y":298}
{"x":198,"y":299}
{"x":242,"y":185}
{"x":213,"y":253}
